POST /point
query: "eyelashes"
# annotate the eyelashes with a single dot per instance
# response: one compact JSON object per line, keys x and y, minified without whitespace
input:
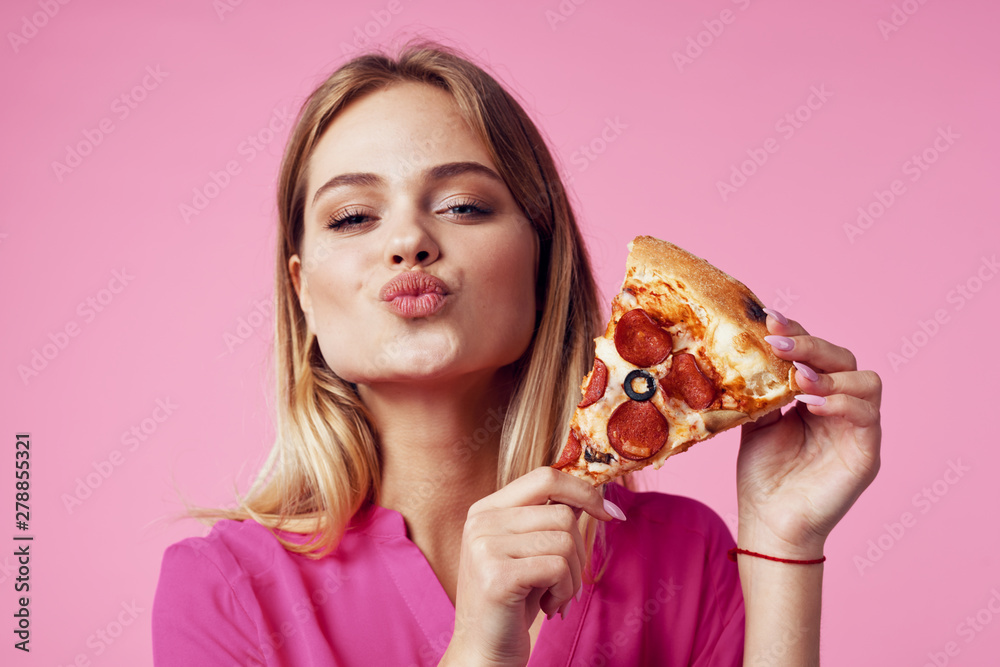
{"x":356,"y":217}
{"x":349,"y":218}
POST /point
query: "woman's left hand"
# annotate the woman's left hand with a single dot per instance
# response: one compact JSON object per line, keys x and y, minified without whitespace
{"x":799,"y":472}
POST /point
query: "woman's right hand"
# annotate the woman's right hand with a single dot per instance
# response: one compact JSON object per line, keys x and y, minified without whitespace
{"x":520,"y":553}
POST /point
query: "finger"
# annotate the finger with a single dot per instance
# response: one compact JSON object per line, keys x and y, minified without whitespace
{"x":540,"y":486}
{"x":765,"y":420}
{"x":858,"y":411}
{"x":866,"y":385}
{"x":530,"y":519}
{"x":815,"y":352}
{"x":543,"y":572}
{"x":535,"y":519}
{"x":544,"y":543}
{"x":777,"y":323}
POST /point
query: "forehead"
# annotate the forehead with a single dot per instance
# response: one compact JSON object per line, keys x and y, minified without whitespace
{"x":397,"y":133}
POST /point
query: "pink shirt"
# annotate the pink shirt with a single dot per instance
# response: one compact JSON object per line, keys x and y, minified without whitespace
{"x":669,"y":596}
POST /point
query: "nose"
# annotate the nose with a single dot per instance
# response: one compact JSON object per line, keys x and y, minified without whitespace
{"x":410,"y":244}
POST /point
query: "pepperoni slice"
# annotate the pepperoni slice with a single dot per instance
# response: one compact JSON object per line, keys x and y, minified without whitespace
{"x":640,"y":340}
{"x":571,"y":451}
{"x":637,"y":430}
{"x":687,"y":381}
{"x":598,"y":383}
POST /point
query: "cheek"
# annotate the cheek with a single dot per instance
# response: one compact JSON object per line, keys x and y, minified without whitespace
{"x":511,"y":275}
{"x":331,"y":294}
{"x":334,"y":295}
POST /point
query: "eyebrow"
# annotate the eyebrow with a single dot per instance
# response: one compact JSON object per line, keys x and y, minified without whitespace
{"x":436,"y":173}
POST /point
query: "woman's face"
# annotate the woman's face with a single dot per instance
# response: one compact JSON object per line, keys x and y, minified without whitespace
{"x":416,"y":263}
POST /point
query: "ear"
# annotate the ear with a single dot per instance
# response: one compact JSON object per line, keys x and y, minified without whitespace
{"x":301,"y":283}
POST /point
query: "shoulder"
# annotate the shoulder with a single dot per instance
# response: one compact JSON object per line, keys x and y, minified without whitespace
{"x":204,"y":608}
{"x":220,"y":565}
{"x":231,"y":548}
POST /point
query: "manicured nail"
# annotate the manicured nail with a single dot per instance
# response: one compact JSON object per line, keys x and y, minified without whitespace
{"x":776,"y":315}
{"x":614,"y":510}
{"x":566,"y":610}
{"x":780,"y":342}
{"x":808,"y":372}
{"x":579,"y":593}
{"x":811,"y":399}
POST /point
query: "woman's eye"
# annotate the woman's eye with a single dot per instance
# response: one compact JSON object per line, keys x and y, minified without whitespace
{"x":356,"y":217}
{"x":470,"y":209}
{"x":348,"y":218}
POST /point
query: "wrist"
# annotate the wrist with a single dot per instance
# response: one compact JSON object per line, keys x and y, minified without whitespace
{"x":454,"y":658}
{"x":752,"y":536}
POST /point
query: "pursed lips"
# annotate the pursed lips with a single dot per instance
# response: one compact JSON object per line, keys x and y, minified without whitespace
{"x":414,"y":294}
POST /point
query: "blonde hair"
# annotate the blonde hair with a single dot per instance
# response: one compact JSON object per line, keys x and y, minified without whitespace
{"x":324,"y":464}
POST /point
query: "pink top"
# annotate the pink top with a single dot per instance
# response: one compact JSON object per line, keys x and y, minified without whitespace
{"x":669,"y":596}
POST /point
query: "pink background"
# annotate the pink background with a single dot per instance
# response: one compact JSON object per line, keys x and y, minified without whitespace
{"x":662,"y":135}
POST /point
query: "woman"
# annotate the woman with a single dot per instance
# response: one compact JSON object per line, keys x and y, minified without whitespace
{"x":435,"y":309}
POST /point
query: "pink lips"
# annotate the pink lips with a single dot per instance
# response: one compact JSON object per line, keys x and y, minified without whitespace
{"x":414,"y":294}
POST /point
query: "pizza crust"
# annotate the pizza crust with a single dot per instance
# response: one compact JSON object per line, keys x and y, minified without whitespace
{"x":731,"y":320}
{"x":709,"y":315}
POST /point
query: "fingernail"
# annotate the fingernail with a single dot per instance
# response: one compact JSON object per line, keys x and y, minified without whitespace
{"x":811,"y":399}
{"x":614,"y":510}
{"x":780,"y":342}
{"x":548,"y":616}
{"x":579,"y":593}
{"x":776,"y":315}
{"x":808,"y":372}
{"x":566,"y":610}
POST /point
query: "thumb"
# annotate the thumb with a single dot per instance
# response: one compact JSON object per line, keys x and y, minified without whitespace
{"x":762,"y":422}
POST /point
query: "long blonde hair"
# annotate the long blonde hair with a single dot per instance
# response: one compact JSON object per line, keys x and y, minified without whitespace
{"x":324,"y":464}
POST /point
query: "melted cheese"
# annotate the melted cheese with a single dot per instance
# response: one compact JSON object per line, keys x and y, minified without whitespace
{"x":684,"y":424}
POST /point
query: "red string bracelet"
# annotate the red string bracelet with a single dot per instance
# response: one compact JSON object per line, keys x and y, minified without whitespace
{"x":732,"y":556}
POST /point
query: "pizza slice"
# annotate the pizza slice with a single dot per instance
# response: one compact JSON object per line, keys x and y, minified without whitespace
{"x":683,"y":358}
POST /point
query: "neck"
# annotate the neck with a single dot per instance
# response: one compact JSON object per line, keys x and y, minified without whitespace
{"x":440,"y":447}
{"x":439,"y":444}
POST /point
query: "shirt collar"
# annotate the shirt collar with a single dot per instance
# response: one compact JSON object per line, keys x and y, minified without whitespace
{"x":377,"y":521}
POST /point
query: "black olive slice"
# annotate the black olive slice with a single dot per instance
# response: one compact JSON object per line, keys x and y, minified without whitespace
{"x":650,"y":385}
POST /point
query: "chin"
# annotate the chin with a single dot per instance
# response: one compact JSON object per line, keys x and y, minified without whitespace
{"x":399,"y":359}
{"x":425,"y":356}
